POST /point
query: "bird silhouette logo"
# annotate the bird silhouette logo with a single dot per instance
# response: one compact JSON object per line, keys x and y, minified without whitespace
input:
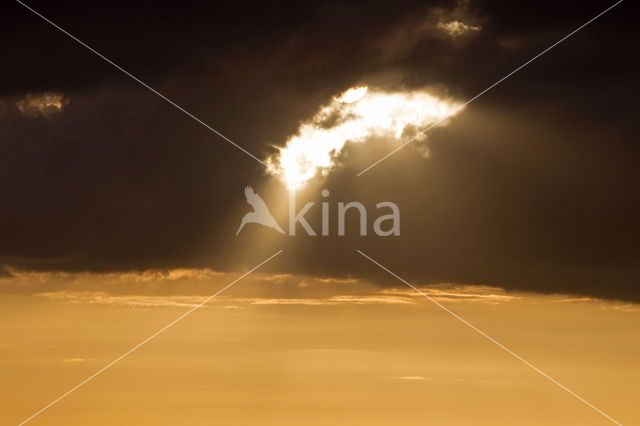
{"x":260,"y":213}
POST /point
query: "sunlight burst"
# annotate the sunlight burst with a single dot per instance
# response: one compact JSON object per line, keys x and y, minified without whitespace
{"x":354,"y":116}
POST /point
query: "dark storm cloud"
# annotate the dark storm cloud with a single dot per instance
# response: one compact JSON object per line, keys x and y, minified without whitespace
{"x":533,"y":187}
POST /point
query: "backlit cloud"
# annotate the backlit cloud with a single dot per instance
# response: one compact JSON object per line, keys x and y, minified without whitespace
{"x":355,"y":116}
{"x":456,"y":29}
{"x":456,"y":293}
{"x":42,"y":105}
{"x":438,"y":23}
{"x":131,"y":301}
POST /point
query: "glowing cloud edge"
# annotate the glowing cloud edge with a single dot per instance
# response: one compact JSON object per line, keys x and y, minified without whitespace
{"x":355,"y":115}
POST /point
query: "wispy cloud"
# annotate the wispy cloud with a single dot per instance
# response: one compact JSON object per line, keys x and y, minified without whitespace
{"x":457,"y":293}
{"x":76,"y":360}
{"x":577,"y":299}
{"x":623,"y":307}
{"x":410,"y":378}
{"x":455,"y":29}
{"x":453,"y":25}
{"x":132,"y":301}
{"x":333,"y":300}
{"x":42,"y":105}
{"x":604,"y":304}
{"x":185,"y":288}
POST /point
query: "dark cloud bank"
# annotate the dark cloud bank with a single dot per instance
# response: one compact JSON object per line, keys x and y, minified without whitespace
{"x":533,"y":187}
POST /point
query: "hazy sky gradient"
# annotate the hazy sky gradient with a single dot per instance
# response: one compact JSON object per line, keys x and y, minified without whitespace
{"x":269,"y":351}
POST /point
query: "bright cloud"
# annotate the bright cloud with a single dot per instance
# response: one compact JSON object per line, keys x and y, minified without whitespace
{"x":355,"y":116}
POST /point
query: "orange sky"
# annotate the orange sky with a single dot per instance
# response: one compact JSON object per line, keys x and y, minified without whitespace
{"x":297,"y":350}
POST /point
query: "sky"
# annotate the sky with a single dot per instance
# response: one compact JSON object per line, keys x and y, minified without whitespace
{"x":119,"y":210}
{"x":285,"y":349}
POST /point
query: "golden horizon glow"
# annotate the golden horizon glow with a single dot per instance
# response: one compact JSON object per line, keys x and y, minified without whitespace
{"x":313,"y":342}
{"x":355,"y":115}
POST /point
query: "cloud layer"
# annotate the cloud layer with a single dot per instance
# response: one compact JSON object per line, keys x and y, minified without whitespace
{"x":533,"y":187}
